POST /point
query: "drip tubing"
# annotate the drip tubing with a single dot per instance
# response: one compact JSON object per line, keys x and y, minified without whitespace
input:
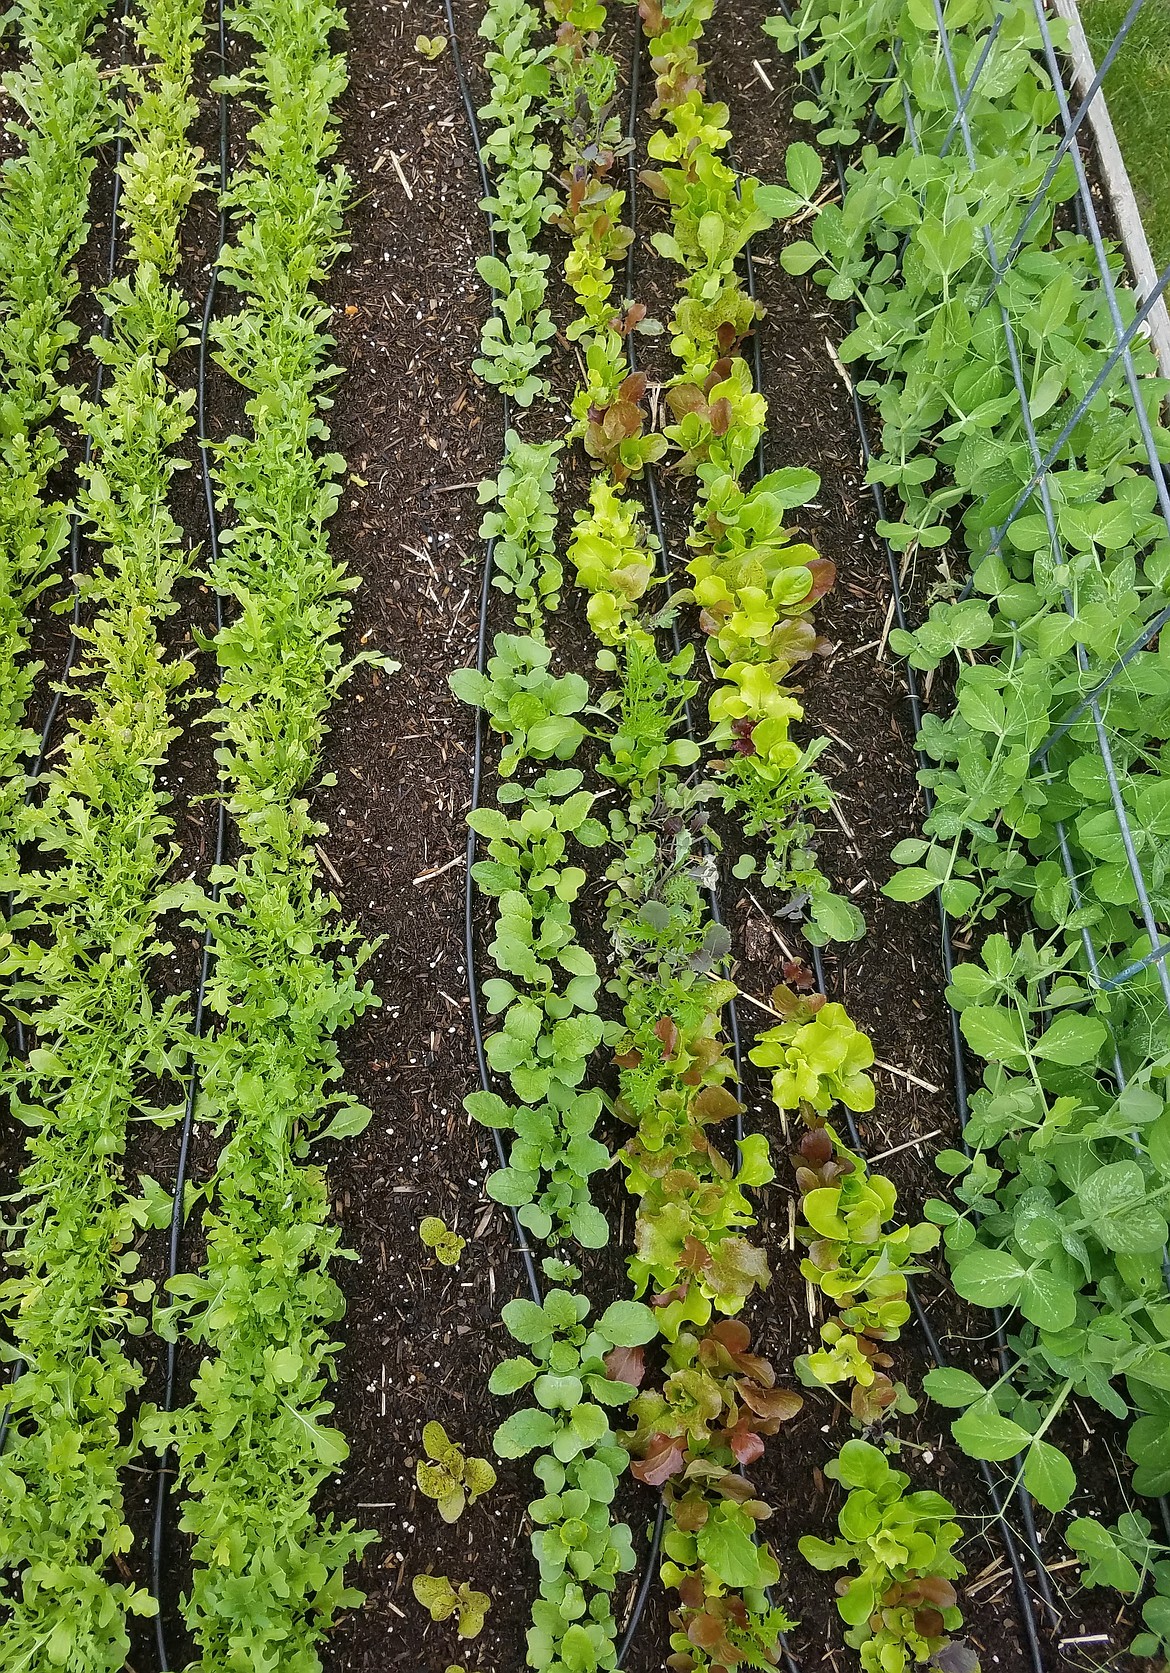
{"x":175,"y":1240}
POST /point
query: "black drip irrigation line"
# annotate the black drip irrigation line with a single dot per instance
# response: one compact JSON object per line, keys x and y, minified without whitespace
{"x":469,"y":892}
{"x":651,"y":476}
{"x":175,"y":1238}
{"x":1022,"y":1497}
{"x":75,"y":549}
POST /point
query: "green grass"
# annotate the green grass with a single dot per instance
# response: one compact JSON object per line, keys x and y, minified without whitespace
{"x":1138,"y":90}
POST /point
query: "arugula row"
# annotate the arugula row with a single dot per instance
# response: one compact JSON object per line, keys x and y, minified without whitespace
{"x":86,"y":928}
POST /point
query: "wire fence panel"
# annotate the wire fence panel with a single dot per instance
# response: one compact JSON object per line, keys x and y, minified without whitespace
{"x":1127,"y":323}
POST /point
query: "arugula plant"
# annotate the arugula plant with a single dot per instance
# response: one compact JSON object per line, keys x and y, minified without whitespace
{"x":539,"y":711}
{"x":516,"y":335}
{"x":524,"y":556}
{"x":268,"y":1574}
{"x":580,"y":1549}
{"x":86,"y":932}
{"x":61,"y":114}
{"x":545,"y":995}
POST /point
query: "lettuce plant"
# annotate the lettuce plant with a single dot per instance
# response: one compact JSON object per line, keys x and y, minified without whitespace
{"x":754,"y":583}
{"x":441,"y":1600}
{"x":695,"y":1435}
{"x":447,"y":1244}
{"x":899,"y":1606}
{"x":448,"y":1476}
{"x":860,"y":1263}
{"x":817,"y":1054}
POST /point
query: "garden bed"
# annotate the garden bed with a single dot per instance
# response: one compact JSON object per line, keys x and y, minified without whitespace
{"x":419,"y":431}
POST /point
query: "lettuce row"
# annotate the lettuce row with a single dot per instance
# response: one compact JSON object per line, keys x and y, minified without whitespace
{"x":755,"y":590}
{"x":754,"y":582}
{"x":692,"y":1254}
{"x":86,"y":935}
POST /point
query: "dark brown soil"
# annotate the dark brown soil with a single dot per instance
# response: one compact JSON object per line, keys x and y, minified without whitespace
{"x":418,"y":432}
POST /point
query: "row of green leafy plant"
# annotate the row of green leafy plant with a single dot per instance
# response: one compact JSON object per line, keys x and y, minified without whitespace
{"x":756,"y":589}
{"x":545,"y":994}
{"x":897,"y":1596}
{"x":286,"y":974}
{"x":516,"y":334}
{"x":703,"y":1416}
{"x":1059,"y":1212}
{"x":85,"y":932}
{"x":44,"y":218}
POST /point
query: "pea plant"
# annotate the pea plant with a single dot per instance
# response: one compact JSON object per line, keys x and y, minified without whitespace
{"x":976,"y":366}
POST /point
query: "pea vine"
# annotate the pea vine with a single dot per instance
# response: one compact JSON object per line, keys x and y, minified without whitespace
{"x":981,"y":324}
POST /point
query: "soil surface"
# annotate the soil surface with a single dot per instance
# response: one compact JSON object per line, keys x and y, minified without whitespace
{"x":419,"y":431}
